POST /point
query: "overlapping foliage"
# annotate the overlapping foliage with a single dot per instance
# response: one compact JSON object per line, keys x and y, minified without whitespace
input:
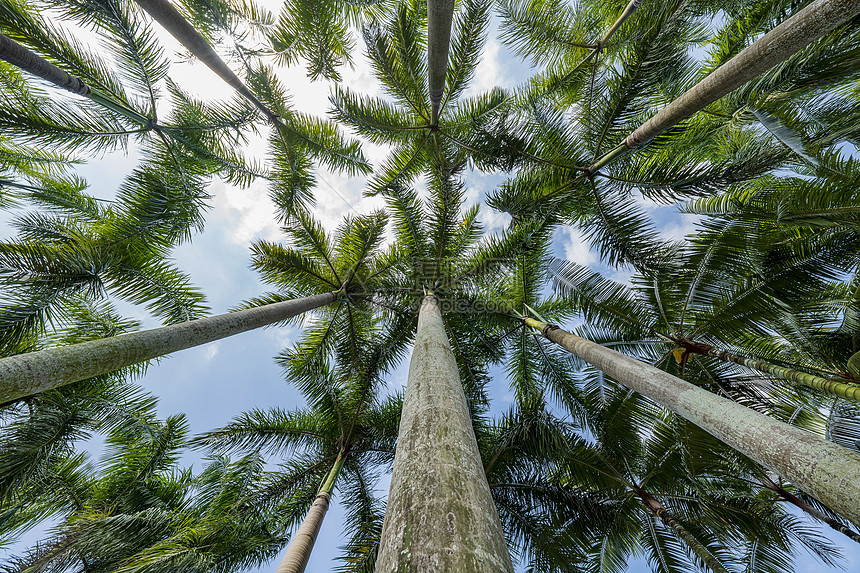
{"x":578,"y":463}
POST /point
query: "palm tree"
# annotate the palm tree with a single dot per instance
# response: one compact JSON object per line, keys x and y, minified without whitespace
{"x":292,"y":131}
{"x":395,"y":48}
{"x":790,"y":452}
{"x":124,"y":109}
{"x":198,"y":137}
{"x":40,"y":434}
{"x":670,"y":496}
{"x":334,"y":443}
{"x":445,"y":516}
{"x":707,"y":297}
{"x":165,"y":14}
{"x":345,"y":432}
{"x":560,"y":185}
{"x":138,"y":513}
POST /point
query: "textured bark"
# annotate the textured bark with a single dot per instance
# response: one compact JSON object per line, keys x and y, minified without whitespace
{"x":825,"y":470}
{"x":797,"y":32}
{"x":834,"y":387}
{"x":27,"y":374}
{"x":299,"y":552}
{"x":302,"y":544}
{"x":810,"y":510}
{"x":657,"y":509}
{"x":440,"y":14}
{"x":440,"y":515}
{"x":19,"y":56}
{"x":171,"y":20}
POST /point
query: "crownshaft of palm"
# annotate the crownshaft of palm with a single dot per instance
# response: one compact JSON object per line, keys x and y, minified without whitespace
{"x":825,"y":470}
{"x":847,"y":391}
{"x":440,"y":512}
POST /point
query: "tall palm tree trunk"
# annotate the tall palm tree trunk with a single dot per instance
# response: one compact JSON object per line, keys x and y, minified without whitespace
{"x":655,"y":507}
{"x":299,"y":552}
{"x":834,"y":387}
{"x":826,"y":470}
{"x":797,"y":32}
{"x":171,"y":20}
{"x":440,"y":514}
{"x":813,"y":512}
{"x":19,"y":56}
{"x":27,"y":374}
{"x":440,"y":14}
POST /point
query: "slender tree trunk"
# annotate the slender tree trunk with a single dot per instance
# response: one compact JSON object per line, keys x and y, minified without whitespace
{"x":794,"y":34}
{"x":299,"y":552}
{"x":440,"y":514}
{"x":163,"y":12}
{"x":826,"y":470}
{"x":834,"y":387}
{"x":27,"y":374}
{"x":628,"y":11}
{"x":810,"y":510}
{"x":19,"y":56}
{"x":440,"y":14}
{"x":650,"y":502}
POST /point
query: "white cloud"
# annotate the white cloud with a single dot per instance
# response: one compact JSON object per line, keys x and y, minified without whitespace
{"x":243,"y":214}
{"x":284,"y":336}
{"x":488,"y":73}
{"x":211,"y":350}
{"x":683,"y":226}
{"x":577,"y":249}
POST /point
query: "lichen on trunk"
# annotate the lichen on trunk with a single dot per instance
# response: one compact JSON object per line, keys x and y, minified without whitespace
{"x":440,"y":514}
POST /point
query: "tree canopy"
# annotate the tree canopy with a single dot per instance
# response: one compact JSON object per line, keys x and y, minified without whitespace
{"x":489,"y":188}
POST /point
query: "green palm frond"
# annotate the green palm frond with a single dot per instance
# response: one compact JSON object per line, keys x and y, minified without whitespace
{"x":470,"y":30}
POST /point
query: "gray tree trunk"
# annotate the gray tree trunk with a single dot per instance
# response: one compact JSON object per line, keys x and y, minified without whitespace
{"x":302,"y":544}
{"x":797,"y":32}
{"x":27,"y":374}
{"x":825,"y":470}
{"x":171,"y":20}
{"x":440,"y":14}
{"x":19,"y":56}
{"x":440,"y":515}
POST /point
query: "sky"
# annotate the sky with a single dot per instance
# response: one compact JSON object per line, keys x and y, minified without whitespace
{"x":214,"y":383}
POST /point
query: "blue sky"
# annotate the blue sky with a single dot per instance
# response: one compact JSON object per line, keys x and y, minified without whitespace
{"x":214,"y":383}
